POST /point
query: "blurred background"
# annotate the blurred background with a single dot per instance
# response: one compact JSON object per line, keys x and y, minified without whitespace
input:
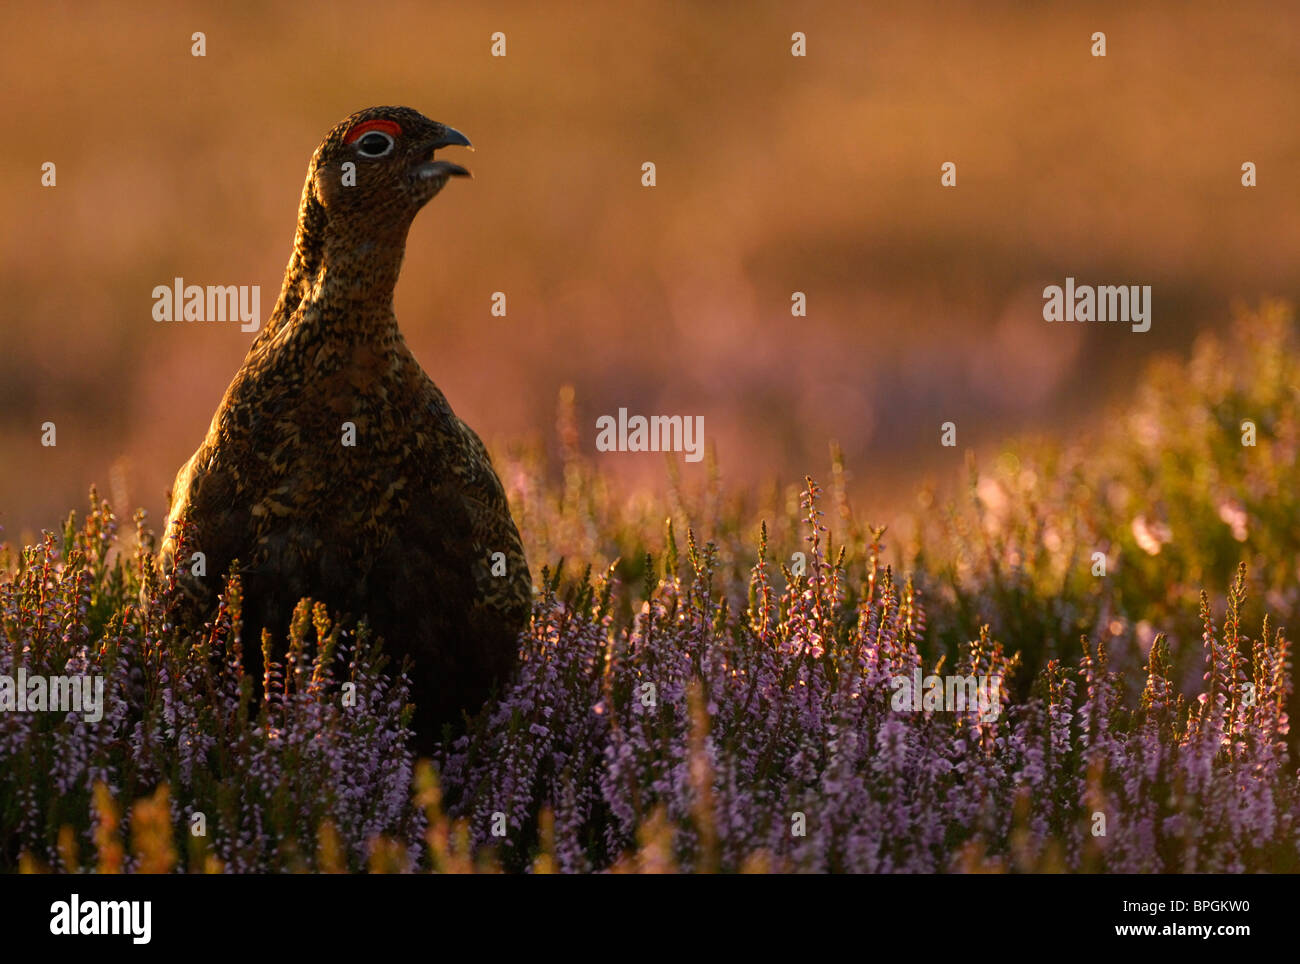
{"x":775,"y":174}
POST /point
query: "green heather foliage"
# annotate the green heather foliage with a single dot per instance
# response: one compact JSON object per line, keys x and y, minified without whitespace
{"x":700,"y":706}
{"x":1165,"y":488}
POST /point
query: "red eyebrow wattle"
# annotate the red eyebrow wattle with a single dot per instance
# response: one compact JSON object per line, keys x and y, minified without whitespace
{"x":365,"y":127}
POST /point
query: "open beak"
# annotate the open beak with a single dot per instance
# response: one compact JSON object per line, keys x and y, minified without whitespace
{"x":449,"y":137}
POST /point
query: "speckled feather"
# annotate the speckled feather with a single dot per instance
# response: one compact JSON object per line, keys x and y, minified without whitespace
{"x":399,"y":529}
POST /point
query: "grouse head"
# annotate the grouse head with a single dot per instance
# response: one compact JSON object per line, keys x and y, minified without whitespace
{"x":376,"y":169}
{"x":366,"y":182}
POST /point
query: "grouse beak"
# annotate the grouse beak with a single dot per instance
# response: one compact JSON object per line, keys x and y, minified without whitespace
{"x":448,"y":137}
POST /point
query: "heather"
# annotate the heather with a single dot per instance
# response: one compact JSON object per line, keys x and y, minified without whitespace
{"x":707,"y":680}
{"x":1164,"y":488}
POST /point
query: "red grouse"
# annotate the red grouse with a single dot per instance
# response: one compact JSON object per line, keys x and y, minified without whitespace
{"x":334,"y":467}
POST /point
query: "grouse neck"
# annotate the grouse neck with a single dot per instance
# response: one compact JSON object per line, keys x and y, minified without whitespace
{"x":350,"y":294}
{"x":359,"y":272}
{"x":348,"y":272}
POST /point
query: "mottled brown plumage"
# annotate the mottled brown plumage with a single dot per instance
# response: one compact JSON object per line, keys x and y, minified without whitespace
{"x":401,"y":528}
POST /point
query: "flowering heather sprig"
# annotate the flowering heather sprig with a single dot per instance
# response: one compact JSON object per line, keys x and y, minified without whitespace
{"x":812,"y":769}
{"x":258,"y":780}
{"x":690,"y":734}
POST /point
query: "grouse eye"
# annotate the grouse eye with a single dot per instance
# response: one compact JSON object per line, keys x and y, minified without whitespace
{"x":375,"y":144}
